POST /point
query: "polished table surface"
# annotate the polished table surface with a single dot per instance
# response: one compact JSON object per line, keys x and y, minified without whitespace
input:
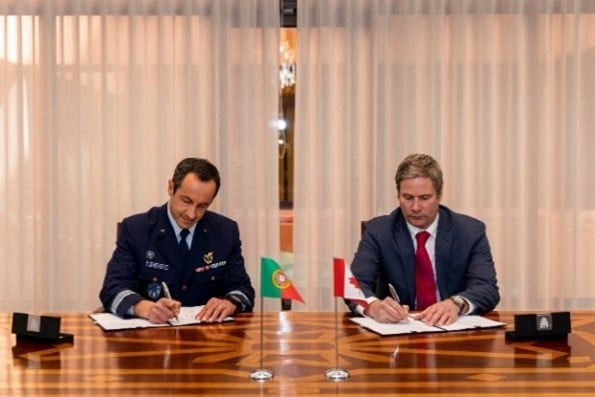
{"x":299,"y":347}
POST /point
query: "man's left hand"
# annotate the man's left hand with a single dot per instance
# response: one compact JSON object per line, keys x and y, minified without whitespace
{"x":216,"y":310}
{"x":440,"y":313}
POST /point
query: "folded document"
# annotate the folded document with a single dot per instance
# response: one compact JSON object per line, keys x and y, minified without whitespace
{"x":413,"y":326}
{"x":111,"y":322}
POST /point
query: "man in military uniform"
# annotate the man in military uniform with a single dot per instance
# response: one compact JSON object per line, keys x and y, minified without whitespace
{"x":179,"y":254}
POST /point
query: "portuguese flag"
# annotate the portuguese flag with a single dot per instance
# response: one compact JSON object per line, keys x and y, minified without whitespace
{"x":274,"y":283}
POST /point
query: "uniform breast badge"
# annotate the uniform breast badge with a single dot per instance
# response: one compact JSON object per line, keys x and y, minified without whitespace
{"x":208,"y":257}
{"x":154,"y":290}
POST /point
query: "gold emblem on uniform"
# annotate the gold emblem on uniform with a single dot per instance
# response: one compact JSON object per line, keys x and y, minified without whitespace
{"x":208,"y":257}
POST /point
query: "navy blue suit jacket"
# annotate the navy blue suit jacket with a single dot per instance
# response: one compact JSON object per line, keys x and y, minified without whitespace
{"x":147,"y":253}
{"x":464,"y":264}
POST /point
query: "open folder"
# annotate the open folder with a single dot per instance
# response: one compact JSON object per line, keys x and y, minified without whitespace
{"x":111,"y":322}
{"x":412,"y":326}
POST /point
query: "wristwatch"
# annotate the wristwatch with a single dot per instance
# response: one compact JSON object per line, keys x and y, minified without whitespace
{"x":460,"y":302}
{"x":235,"y":300}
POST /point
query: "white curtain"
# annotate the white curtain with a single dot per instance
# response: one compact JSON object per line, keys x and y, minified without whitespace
{"x":500,"y":92}
{"x":99,"y":101}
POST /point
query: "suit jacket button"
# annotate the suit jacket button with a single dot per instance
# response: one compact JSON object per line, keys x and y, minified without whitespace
{"x":184,"y":287}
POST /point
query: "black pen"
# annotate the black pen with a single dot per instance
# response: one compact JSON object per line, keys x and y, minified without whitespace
{"x":168,"y":295}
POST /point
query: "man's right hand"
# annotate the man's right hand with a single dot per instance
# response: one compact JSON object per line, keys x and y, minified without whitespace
{"x":387,"y":311}
{"x":157,"y":312}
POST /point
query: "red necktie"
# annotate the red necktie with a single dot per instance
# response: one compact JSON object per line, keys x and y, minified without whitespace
{"x":424,"y":276}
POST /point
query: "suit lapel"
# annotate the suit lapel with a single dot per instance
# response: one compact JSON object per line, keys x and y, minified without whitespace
{"x":442,"y":254}
{"x":166,"y":242}
{"x":407,"y":255}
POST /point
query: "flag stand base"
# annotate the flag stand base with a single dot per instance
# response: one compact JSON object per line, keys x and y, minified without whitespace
{"x":337,"y":374}
{"x":261,"y":374}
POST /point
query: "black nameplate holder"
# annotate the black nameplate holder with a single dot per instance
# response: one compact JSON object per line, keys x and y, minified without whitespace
{"x":540,"y":326}
{"x":41,"y":329}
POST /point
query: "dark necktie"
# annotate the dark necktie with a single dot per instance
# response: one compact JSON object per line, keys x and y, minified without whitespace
{"x":424,"y":276}
{"x":183,"y":244}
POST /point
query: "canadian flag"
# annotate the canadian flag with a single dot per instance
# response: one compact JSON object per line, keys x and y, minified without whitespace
{"x":346,"y":285}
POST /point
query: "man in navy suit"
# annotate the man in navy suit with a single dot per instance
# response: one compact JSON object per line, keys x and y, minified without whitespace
{"x":182,"y":250}
{"x":462,"y":277}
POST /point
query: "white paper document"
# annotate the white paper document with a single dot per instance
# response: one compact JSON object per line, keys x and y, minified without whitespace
{"x":111,"y":322}
{"x":471,"y":322}
{"x":188,"y":314}
{"x":413,"y":326}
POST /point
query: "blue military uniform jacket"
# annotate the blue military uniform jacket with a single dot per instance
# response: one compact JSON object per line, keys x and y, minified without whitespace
{"x":464,"y":264}
{"x":147,"y":254}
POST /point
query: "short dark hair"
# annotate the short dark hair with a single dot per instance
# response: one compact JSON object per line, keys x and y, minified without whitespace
{"x":203,"y":169}
{"x":420,"y":165}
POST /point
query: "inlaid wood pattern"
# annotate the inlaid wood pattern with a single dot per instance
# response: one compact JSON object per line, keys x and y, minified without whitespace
{"x":299,"y":347}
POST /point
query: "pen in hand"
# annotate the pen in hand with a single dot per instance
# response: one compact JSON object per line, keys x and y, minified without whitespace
{"x":393,"y":293}
{"x":168,"y":295}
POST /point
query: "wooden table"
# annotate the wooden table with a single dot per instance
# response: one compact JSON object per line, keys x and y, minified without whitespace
{"x":299,"y":348}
